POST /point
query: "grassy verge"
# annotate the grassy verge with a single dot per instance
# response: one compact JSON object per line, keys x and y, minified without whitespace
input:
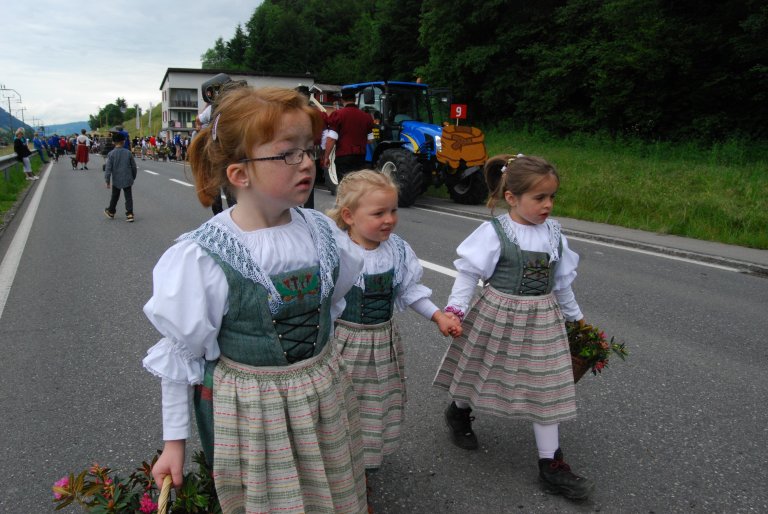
{"x":16,"y":183}
{"x":716,"y":194}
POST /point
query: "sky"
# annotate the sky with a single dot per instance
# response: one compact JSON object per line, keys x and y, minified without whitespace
{"x":66,"y":60}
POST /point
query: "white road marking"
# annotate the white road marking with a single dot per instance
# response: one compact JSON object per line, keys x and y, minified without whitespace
{"x":12,"y":258}
{"x":655,"y":254}
{"x":609,"y":245}
{"x":181,"y":182}
{"x":440,"y":269}
{"x":151,"y":172}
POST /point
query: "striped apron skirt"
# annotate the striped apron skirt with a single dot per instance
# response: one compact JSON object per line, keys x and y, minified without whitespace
{"x":375,"y":359}
{"x":513,"y":359}
{"x":287,"y":439}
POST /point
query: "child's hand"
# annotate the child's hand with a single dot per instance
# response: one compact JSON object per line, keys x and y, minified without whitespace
{"x":455,"y":329}
{"x":448,"y":323}
{"x":107,"y":185}
{"x":170,"y":462}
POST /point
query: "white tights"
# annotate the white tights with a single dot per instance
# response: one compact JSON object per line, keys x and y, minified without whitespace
{"x":547,"y":439}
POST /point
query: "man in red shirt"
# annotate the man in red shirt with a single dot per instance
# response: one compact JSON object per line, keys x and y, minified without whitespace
{"x":349,"y":130}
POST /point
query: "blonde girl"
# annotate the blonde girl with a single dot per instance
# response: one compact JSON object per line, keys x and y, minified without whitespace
{"x":245,"y":306}
{"x":366,"y":336}
{"x":513,"y":359}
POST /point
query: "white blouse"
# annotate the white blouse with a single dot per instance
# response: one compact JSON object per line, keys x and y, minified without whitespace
{"x":190,"y":298}
{"x":411,"y":292}
{"x":479,"y":253}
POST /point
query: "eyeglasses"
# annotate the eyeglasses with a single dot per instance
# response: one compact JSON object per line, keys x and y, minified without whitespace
{"x":291,"y":157}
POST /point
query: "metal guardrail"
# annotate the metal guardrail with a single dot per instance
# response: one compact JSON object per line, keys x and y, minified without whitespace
{"x":6,"y":163}
{"x":9,"y":161}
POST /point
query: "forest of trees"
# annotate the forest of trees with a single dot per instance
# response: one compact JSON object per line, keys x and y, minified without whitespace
{"x":654,"y":69}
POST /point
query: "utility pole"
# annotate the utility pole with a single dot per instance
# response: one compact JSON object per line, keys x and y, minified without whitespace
{"x":10,"y":116}
{"x":22,"y":109}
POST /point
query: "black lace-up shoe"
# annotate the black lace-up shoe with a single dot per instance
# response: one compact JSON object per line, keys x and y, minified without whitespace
{"x":557,"y":478}
{"x":460,"y":423}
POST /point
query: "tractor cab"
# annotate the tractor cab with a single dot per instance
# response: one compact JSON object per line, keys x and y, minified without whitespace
{"x":392,"y":104}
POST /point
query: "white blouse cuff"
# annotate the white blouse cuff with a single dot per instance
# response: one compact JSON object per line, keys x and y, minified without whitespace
{"x":175,"y":410}
{"x":170,"y":361}
{"x":425,"y":307}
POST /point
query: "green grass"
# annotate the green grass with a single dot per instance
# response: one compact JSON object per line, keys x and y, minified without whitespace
{"x":716,"y":194}
{"x":16,"y":183}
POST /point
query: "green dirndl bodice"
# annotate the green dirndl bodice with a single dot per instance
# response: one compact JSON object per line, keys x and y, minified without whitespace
{"x":373,"y":303}
{"x":275,"y":320}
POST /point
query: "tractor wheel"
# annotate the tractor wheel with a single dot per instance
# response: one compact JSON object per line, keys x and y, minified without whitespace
{"x":469,"y":191}
{"x":407,"y":172}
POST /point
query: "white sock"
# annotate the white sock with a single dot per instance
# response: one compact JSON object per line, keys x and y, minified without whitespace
{"x":461,"y":405}
{"x":547,"y":439}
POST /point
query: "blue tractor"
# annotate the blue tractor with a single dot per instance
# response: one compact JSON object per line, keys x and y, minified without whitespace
{"x":412,"y":148}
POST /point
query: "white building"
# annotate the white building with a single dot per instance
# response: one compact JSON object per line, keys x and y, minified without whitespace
{"x":183,"y":99}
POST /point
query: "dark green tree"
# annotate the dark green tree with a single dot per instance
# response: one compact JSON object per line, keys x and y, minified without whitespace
{"x":216,"y":57}
{"x":236,"y":47}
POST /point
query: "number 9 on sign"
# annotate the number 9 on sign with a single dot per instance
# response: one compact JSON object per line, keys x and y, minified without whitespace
{"x":459,"y":111}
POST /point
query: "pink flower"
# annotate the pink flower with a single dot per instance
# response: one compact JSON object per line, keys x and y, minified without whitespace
{"x":63,"y":482}
{"x":146,"y":505}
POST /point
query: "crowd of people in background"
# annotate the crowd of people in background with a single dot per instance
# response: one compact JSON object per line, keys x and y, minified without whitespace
{"x":147,"y":147}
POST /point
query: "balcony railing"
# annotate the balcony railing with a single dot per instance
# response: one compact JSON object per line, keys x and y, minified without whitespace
{"x":192,"y":104}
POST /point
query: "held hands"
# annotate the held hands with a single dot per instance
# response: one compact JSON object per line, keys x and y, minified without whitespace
{"x":170,"y":462}
{"x":448,"y":323}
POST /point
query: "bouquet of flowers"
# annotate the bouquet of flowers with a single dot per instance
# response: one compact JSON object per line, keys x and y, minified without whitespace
{"x":590,"y":349}
{"x":99,"y":491}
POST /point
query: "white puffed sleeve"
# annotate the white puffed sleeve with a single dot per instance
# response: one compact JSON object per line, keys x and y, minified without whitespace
{"x":564,"y":277}
{"x":189,"y":300}
{"x":411,"y":291}
{"x":478,"y":255}
{"x":351,"y":262}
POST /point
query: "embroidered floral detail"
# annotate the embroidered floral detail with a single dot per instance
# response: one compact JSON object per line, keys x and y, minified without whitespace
{"x":552,"y":226}
{"x":298,"y":285}
{"x":221,"y":241}
{"x":455,"y":310}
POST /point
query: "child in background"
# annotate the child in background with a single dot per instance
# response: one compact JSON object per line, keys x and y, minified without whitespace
{"x":120,"y":170}
{"x":245,"y":305}
{"x":513,"y":359}
{"x":366,"y":336}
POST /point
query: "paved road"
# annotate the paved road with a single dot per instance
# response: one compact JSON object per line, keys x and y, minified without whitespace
{"x":680,"y":427}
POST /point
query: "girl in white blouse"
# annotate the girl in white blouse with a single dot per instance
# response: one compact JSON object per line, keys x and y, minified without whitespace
{"x":366,"y":335}
{"x":513,"y":359}
{"x":245,"y":306}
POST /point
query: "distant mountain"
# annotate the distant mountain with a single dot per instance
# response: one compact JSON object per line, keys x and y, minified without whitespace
{"x":62,"y":128}
{"x":68,"y":128}
{"x":15,"y":121}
